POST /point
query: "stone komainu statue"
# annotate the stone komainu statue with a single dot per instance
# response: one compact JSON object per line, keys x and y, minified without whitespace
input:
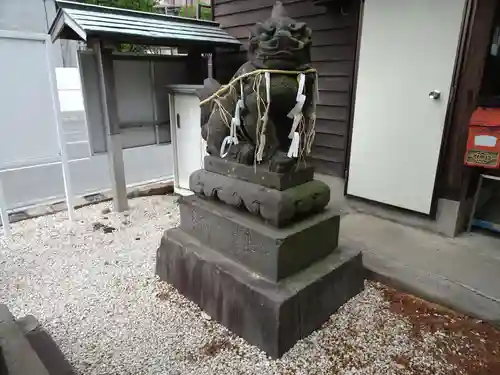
{"x":266,"y":114}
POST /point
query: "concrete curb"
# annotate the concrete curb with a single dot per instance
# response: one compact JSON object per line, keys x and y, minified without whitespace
{"x":160,"y":188}
{"x":432,"y":287}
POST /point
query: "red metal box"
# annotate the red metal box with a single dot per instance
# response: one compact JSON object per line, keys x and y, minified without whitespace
{"x":483,"y":143}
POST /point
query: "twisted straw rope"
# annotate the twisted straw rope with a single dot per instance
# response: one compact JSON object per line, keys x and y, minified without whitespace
{"x":224,"y":88}
{"x":306,"y":129}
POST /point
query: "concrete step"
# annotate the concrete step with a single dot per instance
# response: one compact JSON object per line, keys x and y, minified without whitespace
{"x":26,"y":348}
{"x":45,"y":347}
{"x":18,"y":357}
{"x":460,"y":273}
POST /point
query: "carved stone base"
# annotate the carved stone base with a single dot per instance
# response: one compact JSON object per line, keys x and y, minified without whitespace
{"x":272,"y":316}
{"x":277,"y":208}
{"x":259,"y":175}
{"x":274,"y":253}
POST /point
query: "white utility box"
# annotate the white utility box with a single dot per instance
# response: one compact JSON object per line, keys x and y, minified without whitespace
{"x":188,"y":146}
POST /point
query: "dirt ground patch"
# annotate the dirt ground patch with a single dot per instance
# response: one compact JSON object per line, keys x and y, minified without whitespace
{"x":470,"y":344}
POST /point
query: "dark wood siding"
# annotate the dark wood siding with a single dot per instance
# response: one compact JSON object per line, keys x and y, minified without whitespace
{"x":454,"y":177}
{"x":333,"y":55}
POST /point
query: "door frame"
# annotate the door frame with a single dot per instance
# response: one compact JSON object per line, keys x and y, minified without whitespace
{"x":466,"y":23}
{"x":354,"y":85}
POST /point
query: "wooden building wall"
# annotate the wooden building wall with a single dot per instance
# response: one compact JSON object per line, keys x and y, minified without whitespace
{"x":454,"y":179}
{"x":333,"y":55}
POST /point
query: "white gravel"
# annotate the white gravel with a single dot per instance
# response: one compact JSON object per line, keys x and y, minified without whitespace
{"x":97,"y":295}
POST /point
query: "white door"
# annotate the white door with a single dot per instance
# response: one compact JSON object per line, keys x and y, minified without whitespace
{"x":408,"y":50}
{"x":188,"y":139}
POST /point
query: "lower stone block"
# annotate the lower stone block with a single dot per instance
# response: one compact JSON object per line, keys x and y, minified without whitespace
{"x":272,"y":316}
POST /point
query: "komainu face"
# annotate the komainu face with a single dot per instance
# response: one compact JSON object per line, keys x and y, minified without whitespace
{"x":280,"y":43}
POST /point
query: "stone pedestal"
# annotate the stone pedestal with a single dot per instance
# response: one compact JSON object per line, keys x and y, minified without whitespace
{"x":261,"y":259}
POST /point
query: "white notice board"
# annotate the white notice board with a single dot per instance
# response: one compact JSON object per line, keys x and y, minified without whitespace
{"x":28,"y":122}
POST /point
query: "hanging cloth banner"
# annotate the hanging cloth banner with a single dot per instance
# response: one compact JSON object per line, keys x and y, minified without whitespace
{"x":262,"y":140}
{"x":296,"y":114}
{"x":232,"y":138}
{"x":293,"y":151}
{"x":301,"y":98}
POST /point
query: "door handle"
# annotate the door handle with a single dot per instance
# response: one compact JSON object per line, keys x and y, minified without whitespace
{"x":178,"y":121}
{"x":434,"y":94}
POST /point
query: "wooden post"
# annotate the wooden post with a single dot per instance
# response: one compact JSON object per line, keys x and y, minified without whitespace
{"x":198,"y":10}
{"x":194,"y":66}
{"x":111,"y":123}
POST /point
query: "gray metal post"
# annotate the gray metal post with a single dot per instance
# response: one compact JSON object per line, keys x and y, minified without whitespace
{"x":210,"y":65}
{"x":475,"y":201}
{"x":4,"y":216}
{"x":111,"y":122}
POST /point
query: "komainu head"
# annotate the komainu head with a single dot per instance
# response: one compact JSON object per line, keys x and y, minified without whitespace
{"x":280,"y":43}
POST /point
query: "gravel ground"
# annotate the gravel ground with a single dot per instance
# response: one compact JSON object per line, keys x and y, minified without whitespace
{"x":91,"y":283}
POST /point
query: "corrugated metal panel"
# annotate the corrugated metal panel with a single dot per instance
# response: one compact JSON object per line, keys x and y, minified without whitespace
{"x":82,"y":21}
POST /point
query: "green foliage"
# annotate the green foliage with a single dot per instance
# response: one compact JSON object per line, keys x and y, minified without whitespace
{"x":190,"y":11}
{"x":148,"y":6}
{"x":142,"y":5}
